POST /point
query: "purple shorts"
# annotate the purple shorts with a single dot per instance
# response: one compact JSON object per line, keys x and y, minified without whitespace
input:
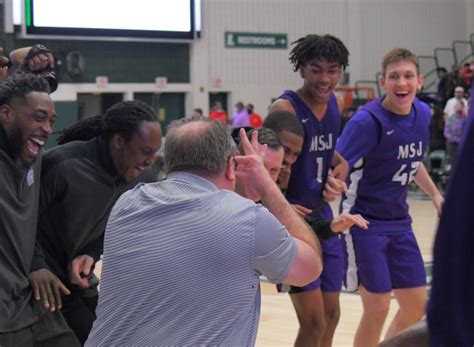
{"x":382,"y":262}
{"x":333,"y":274}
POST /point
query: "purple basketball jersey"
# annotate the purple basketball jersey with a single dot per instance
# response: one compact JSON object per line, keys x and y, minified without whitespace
{"x":309,"y":172}
{"x":379,"y":183}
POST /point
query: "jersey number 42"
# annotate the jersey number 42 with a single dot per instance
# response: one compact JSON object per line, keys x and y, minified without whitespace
{"x":405,"y":174}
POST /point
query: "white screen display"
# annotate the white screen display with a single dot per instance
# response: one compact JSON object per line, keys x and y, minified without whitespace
{"x":161,"y":15}
{"x":150,"y":15}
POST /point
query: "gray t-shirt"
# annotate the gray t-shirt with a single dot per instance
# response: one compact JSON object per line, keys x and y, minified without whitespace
{"x":19,"y":199}
{"x":181,"y":266}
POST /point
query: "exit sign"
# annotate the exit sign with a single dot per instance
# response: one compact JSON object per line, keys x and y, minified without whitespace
{"x":255,"y":40}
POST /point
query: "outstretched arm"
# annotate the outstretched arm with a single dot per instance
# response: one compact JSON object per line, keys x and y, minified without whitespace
{"x":37,"y":62}
{"x":424,"y":181}
{"x":325,"y":229}
{"x":346,"y":220}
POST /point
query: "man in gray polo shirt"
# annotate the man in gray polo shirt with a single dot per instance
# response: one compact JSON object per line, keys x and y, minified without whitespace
{"x":182,"y":257}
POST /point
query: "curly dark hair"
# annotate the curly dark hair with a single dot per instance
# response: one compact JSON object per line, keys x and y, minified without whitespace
{"x":313,"y":46}
{"x":18,"y":85}
{"x":284,"y":120}
{"x":122,"y":118}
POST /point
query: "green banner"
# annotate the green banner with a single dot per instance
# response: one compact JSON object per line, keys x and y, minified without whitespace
{"x":255,"y":40}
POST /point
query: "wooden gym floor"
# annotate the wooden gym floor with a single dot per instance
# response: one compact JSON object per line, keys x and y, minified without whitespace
{"x":278,"y":323}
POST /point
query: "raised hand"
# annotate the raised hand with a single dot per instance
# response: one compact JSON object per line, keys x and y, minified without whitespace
{"x":250,"y":171}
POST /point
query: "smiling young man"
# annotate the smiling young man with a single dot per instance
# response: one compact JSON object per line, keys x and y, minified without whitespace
{"x":26,"y":117}
{"x":100,"y":158}
{"x":386,"y":158}
{"x":291,"y":134}
{"x":272,"y":154}
{"x":320,"y":61}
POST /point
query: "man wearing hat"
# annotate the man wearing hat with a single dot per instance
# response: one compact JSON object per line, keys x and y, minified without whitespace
{"x":455,"y":113}
{"x":449,"y":108}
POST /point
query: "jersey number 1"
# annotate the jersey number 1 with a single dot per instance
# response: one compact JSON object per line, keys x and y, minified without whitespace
{"x":319,"y":174}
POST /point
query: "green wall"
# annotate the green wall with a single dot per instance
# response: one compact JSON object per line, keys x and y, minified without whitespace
{"x":67,"y":112}
{"x":168,"y":106}
{"x":122,"y":62}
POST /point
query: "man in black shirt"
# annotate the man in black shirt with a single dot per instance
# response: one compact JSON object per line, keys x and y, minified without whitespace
{"x":98,"y":159}
{"x":26,"y":117}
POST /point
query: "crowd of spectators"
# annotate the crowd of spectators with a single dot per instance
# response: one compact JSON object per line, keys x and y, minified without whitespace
{"x":243,"y":116}
{"x":449,"y":112}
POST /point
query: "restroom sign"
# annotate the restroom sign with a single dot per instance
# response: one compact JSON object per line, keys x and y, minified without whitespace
{"x":255,"y":40}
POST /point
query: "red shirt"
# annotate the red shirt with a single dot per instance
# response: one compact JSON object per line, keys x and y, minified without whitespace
{"x":466,"y":75}
{"x":255,"y":120}
{"x":219,"y":115}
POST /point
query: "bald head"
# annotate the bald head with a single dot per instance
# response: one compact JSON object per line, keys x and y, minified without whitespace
{"x":198,"y":145}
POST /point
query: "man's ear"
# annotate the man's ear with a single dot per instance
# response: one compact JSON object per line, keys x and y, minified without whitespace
{"x":117,"y":142}
{"x":6,"y":114}
{"x":230,"y":169}
{"x":301,"y":71}
{"x":382,"y":81}
{"x":421,"y":81}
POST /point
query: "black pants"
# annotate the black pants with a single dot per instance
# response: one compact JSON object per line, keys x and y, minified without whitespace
{"x":79,"y":312}
{"x":51,"y":330}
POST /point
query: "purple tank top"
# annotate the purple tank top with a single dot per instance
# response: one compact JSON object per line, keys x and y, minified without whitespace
{"x":309,"y":172}
{"x":387,"y":171}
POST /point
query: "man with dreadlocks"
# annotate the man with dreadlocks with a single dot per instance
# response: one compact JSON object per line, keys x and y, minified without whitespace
{"x":320,"y":61}
{"x":26,"y":117}
{"x":99,"y":158}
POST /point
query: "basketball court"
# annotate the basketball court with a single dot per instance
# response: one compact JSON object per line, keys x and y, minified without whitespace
{"x":278,"y":323}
